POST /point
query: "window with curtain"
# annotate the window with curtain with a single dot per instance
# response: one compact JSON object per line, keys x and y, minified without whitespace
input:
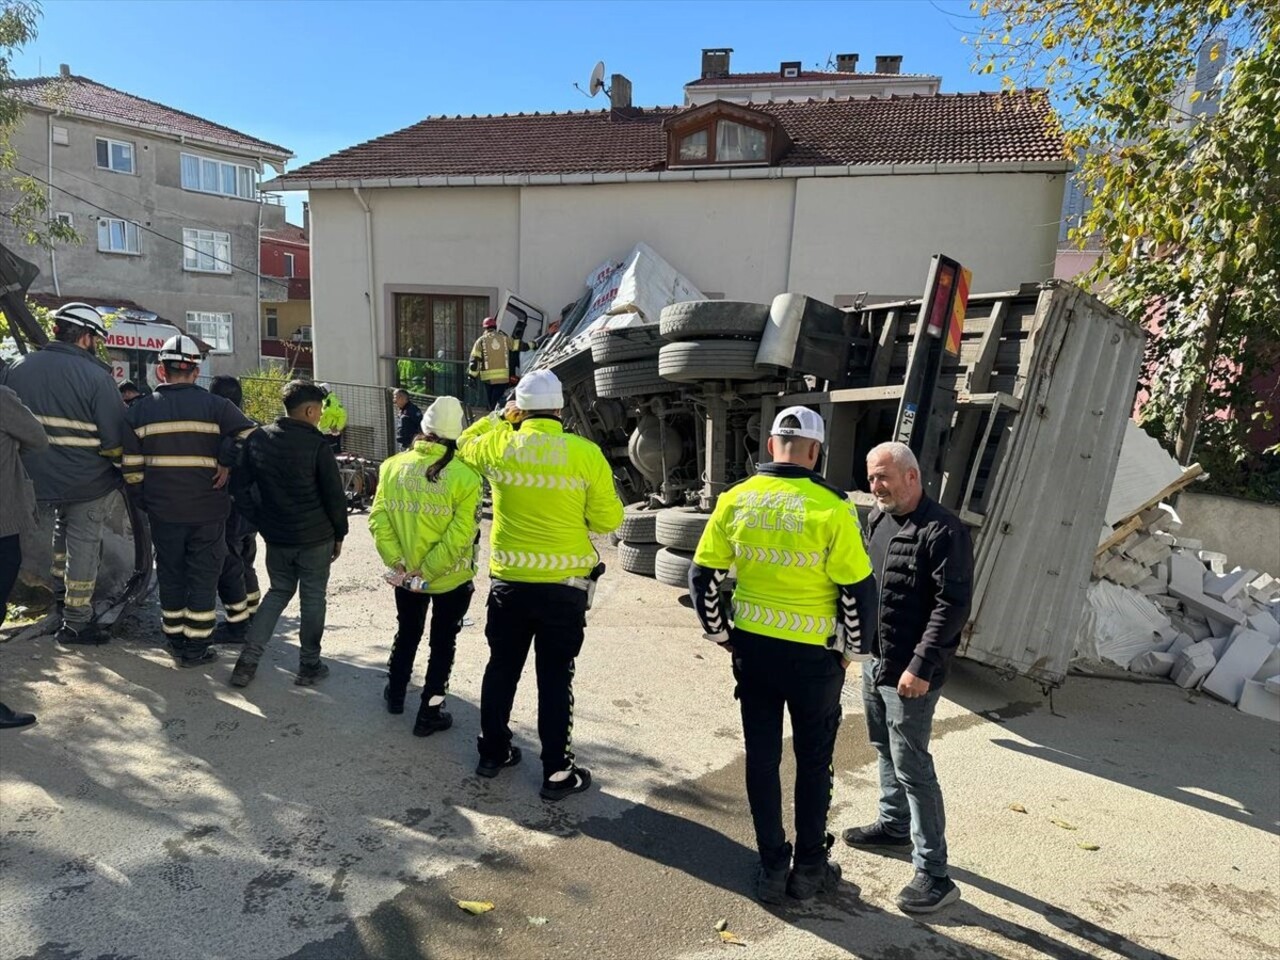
{"x":694,"y":147}
{"x":207,"y":251}
{"x":739,"y":143}
{"x":214,"y":329}
{"x":438,"y":326}
{"x":117,"y":236}
{"x":206,"y":175}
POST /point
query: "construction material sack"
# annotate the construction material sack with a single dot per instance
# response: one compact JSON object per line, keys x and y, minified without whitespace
{"x":1119,"y":625}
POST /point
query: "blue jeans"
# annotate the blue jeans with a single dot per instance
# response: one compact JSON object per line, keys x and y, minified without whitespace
{"x":292,"y":569}
{"x":910,"y":798}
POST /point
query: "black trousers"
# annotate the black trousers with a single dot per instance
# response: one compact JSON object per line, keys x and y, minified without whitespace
{"x":447,"y":611}
{"x":188,"y":563}
{"x":495,"y":392}
{"x":552,"y":618}
{"x":806,"y":679}
{"x":238,"y":583}
{"x":10,"y":563}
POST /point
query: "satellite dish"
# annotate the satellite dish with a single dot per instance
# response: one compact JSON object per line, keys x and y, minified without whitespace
{"x":597,"y":79}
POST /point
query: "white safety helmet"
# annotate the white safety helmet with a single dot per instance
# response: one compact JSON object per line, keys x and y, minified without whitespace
{"x":443,"y":418}
{"x":180,"y":349}
{"x":82,"y":315}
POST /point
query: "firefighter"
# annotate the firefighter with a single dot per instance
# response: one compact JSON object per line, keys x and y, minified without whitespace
{"x":803,"y":594}
{"x":238,"y":583}
{"x":74,"y":396}
{"x":425,"y":522}
{"x":494,"y":359}
{"x":333,"y":418}
{"x":179,"y":448}
{"x":550,"y":490}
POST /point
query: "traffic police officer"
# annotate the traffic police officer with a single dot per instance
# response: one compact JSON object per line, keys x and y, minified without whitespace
{"x":803,"y":594}
{"x":178,"y":451}
{"x":550,"y":490}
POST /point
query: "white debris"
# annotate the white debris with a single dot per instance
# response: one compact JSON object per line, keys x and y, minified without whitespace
{"x":1241,"y":660}
{"x":1193,"y":664}
{"x":1261,"y":699}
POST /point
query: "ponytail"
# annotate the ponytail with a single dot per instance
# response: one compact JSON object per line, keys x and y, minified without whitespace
{"x":450,"y":448}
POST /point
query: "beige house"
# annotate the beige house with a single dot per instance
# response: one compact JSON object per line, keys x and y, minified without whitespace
{"x":792,"y":82}
{"x":417,"y":235}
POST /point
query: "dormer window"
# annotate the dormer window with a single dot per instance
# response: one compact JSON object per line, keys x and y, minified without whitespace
{"x":693,"y":147}
{"x":738,"y":143}
{"x":724,"y":133}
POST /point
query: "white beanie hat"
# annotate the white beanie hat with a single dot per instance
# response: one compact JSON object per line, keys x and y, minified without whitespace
{"x":443,"y":419}
{"x":539,"y":390}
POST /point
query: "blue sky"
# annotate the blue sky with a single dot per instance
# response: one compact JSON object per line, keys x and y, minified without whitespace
{"x":320,"y":75}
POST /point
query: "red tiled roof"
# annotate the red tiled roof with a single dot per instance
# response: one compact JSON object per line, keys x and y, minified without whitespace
{"x":805,"y":76}
{"x":84,"y":96}
{"x":287,"y":234}
{"x":51,"y":301}
{"x":945,"y":128}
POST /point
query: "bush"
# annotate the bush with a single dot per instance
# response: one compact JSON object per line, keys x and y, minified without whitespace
{"x":262,"y":390}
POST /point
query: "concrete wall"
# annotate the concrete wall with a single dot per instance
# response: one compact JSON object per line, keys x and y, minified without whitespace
{"x":746,"y":240}
{"x":1247,"y":532}
{"x":153,"y":197}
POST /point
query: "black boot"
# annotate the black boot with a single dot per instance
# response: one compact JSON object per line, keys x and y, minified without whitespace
{"x":12,"y":720}
{"x":431,"y":720}
{"x":395,"y":701}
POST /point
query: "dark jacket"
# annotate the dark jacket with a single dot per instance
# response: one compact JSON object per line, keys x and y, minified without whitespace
{"x":926,"y":588}
{"x":177,"y":438}
{"x":408,"y":425}
{"x":20,"y":432}
{"x":288,"y":485}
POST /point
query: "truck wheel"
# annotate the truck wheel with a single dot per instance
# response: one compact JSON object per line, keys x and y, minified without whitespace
{"x":680,"y":528}
{"x":628,"y":343}
{"x":636,"y":378}
{"x":637,"y":557}
{"x":693,"y":360}
{"x":696,"y":319}
{"x":672,"y":567}
{"x":638,"y":523}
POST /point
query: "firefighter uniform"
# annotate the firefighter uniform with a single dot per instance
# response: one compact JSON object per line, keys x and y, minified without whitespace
{"x":803,"y":578}
{"x":178,"y":437}
{"x":550,"y":490}
{"x":428,"y":528}
{"x":492,"y":361}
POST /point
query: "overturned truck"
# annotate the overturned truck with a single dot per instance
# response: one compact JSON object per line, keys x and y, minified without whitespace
{"x":1018,"y":431}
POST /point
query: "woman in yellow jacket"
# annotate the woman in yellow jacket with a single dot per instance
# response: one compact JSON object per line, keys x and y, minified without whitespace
{"x":425,"y":521}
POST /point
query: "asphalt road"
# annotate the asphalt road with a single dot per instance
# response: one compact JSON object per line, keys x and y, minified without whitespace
{"x":156,"y":813}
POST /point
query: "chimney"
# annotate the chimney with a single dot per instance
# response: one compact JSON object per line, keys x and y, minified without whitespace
{"x":619,"y":92}
{"x":306,"y":218}
{"x":847,"y":62}
{"x":64,"y":69}
{"x":890,"y":64}
{"x":790,"y":69}
{"x":715,"y":62}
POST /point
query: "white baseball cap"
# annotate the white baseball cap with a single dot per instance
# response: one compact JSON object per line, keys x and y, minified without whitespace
{"x":443,"y":418}
{"x":810,"y":428}
{"x":539,"y":390}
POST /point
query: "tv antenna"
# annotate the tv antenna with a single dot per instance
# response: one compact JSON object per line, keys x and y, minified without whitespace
{"x":596,"y":83}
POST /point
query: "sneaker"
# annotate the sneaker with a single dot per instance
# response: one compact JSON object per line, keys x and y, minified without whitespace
{"x":243,"y":673}
{"x":432,"y":721}
{"x":927,"y":894}
{"x":197,"y":657}
{"x":576,"y":780}
{"x":491,"y":768}
{"x":394,"y":704}
{"x":308,"y":674}
{"x":808,"y":880}
{"x":874,"y":835}
{"x":82,"y":633}
{"x":13,"y":720}
{"x":771,"y":881}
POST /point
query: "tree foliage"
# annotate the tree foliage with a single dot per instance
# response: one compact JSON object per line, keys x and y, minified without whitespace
{"x":1184,"y":198}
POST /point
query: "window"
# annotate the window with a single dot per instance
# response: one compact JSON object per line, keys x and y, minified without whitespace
{"x":117,"y":236}
{"x":207,"y":251}
{"x":217,"y":176}
{"x":213,"y":328}
{"x":694,"y":147}
{"x":724,"y":134}
{"x":115,"y":155}
{"x":439,"y":327}
{"x":64,"y":218}
{"x":273,"y":323}
{"x":288,"y":264}
{"x":738,"y":143}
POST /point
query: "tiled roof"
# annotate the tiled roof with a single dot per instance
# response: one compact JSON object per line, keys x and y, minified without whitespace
{"x":805,"y":76}
{"x":945,"y":128}
{"x":289,"y":233}
{"x":80,"y":95}
{"x":51,"y":301}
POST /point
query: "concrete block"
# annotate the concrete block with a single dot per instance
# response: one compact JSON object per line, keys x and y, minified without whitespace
{"x":1100,"y":566}
{"x":1150,"y":587}
{"x":1220,"y":645}
{"x":1153,"y":664}
{"x":1258,"y":700}
{"x":1242,"y":659}
{"x":1148,"y":550}
{"x":1186,"y":573}
{"x":1180,"y":643}
{"x":1188,"y":543}
{"x":1193,"y":664}
{"x":1271,"y":667}
{"x":1265,"y":624}
{"x":1125,"y":572}
{"x":1214,"y":611}
{"x":1217,"y":562}
{"x":1273,"y":685}
{"x":1167,"y":602}
{"x":1161,"y":571}
{"x":1224,"y":587}
{"x":1264,"y":587}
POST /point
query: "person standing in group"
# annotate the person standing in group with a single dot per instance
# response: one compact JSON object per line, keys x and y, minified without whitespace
{"x":238,"y":583}
{"x":802,"y":609}
{"x":408,"y":419}
{"x":333,"y":418}
{"x":288,"y":486}
{"x":129,"y":392}
{"x":20,"y":433}
{"x":73,"y":395}
{"x":178,"y":451}
{"x":425,"y":522}
{"x":551,"y":489}
{"x":923,"y":559}
{"x":493,"y":360}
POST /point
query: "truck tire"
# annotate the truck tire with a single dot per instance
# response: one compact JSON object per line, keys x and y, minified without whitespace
{"x":637,"y":557}
{"x":636,"y":378}
{"x":698,"y":319}
{"x":680,"y":528}
{"x":692,"y":360}
{"x":672,"y":567}
{"x":638,"y":523}
{"x":628,"y":343}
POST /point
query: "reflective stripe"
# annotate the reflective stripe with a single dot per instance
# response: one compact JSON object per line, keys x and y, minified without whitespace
{"x":423,"y":508}
{"x":238,"y":617}
{"x":134,"y":460}
{"x":67,"y":423}
{"x":541,"y":481}
{"x":79,"y":600}
{"x":745,"y":612}
{"x":245,"y":432}
{"x":177,"y":426}
{"x":254,"y":597}
{"x":158,"y":461}
{"x":174,"y":614}
{"x":111,"y":453}
{"x":235,"y":607}
{"x":175,"y":629}
{"x":74,"y":441}
{"x":785,"y":558}
{"x":201,"y":615}
{"x":133,"y":478}
{"x":541,"y":561}
{"x":192,"y":633}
